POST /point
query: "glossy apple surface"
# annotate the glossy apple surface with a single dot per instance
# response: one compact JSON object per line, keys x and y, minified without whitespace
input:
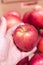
{"x":12,"y":21}
{"x":24,"y":61}
{"x":40,"y":45}
{"x":36,"y":18}
{"x":25,"y":37}
{"x":37,"y":59}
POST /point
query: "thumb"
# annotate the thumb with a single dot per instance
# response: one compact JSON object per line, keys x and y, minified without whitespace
{"x":3,"y":26}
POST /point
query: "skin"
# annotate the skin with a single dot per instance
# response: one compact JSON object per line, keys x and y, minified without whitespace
{"x":9,"y":53}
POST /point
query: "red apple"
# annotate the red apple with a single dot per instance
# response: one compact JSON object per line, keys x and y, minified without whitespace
{"x":12,"y":21}
{"x":24,"y":61}
{"x":41,"y":32}
{"x":26,"y":17}
{"x":25,"y":37}
{"x":12,"y":12}
{"x":40,"y":45}
{"x":36,"y":17}
{"x":37,"y":59}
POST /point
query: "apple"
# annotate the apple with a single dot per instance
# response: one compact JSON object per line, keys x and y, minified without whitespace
{"x":41,"y":32}
{"x":12,"y":21}
{"x":37,"y":59}
{"x":40,"y":45}
{"x":25,"y":37}
{"x":12,"y":12}
{"x":36,"y":17}
{"x":26,"y":17}
{"x":24,"y":61}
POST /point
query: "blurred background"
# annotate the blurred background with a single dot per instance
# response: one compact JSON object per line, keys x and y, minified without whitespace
{"x":6,"y":5}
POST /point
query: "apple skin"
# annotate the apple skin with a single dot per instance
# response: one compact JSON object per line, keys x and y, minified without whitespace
{"x":24,"y":61}
{"x":40,"y":45}
{"x":12,"y":21}
{"x":13,"y":12}
{"x":36,"y":18}
{"x":37,"y":59}
{"x":41,"y":32}
{"x":25,"y":37}
{"x":26,"y":17}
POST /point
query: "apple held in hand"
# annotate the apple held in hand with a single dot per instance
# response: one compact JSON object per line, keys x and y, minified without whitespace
{"x":37,"y":59}
{"x":25,"y":37}
{"x":40,"y":45}
{"x":24,"y":61}
{"x":36,"y":17}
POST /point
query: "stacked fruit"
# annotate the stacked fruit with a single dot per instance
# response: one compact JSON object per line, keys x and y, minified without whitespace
{"x":28,"y":35}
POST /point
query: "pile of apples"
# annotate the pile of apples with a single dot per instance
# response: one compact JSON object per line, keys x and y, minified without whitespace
{"x":28,"y":35}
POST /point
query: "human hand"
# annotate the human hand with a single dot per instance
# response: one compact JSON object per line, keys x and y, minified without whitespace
{"x":9,"y":53}
{"x":4,"y":43}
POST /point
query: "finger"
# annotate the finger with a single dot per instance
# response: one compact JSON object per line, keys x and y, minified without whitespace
{"x":14,"y":53}
{"x":24,"y":54}
{"x":4,"y":48}
{"x":10,"y":40}
{"x":3,"y":26}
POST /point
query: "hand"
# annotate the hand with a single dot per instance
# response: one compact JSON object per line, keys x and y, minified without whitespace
{"x":4,"y":43}
{"x":9,"y":53}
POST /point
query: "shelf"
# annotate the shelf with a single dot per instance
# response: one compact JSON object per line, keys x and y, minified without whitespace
{"x":13,"y":1}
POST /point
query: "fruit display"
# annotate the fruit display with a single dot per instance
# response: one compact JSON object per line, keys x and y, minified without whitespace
{"x":26,"y":36}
